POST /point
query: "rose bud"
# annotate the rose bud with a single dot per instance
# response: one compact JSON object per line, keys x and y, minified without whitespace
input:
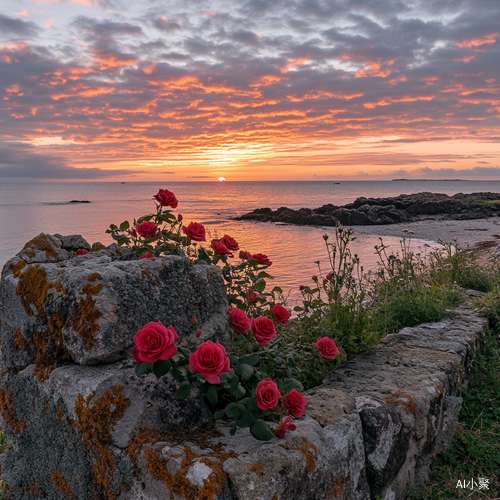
{"x":263,"y":330}
{"x":195,"y":231}
{"x":252,"y":297}
{"x":314,"y":278}
{"x":166,"y":198}
{"x":154,"y":342}
{"x":238,"y":320}
{"x":329,"y":277}
{"x":327,"y":348}
{"x":267,"y":394}
{"x":179,"y":217}
{"x":210,"y":360}
{"x":303,"y":287}
{"x":198,"y":332}
{"x":132,"y":232}
{"x":147,"y":255}
{"x":82,"y":251}
{"x":295,"y":403}
{"x":245,"y":255}
{"x":286,"y":424}
{"x":281,"y":315}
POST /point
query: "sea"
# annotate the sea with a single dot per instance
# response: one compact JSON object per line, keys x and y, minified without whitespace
{"x":30,"y":208}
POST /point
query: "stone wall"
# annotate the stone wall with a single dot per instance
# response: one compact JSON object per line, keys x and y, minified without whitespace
{"x":81,"y":427}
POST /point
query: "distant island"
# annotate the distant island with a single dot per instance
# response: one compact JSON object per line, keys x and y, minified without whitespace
{"x":434,"y":180}
{"x":377,"y":211}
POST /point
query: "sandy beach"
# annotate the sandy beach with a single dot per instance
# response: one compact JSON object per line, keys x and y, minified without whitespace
{"x":470,"y":233}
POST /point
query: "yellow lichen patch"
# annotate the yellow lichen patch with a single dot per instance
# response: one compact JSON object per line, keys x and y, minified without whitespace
{"x":8,"y":412}
{"x":58,"y":286}
{"x":309,"y":451}
{"x":256,"y":469}
{"x":44,"y":244}
{"x":94,"y":276}
{"x":85,"y":316}
{"x":20,"y":341}
{"x":399,"y":398}
{"x":32,"y":289}
{"x":61,"y":483}
{"x":97,"y":246}
{"x":95,"y":421}
{"x":145,"y":272}
{"x":50,"y":350}
{"x":16,"y":268}
{"x":213,"y":485}
{"x":60,"y":416}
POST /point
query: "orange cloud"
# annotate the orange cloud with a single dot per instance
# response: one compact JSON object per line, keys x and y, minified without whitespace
{"x":478,"y":42}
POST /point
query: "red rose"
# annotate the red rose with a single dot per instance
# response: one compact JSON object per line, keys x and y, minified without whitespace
{"x":245,"y":255}
{"x":132,"y":232}
{"x":295,"y":403}
{"x":329,"y":276}
{"x":210,"y":360}
{"x":267,"y":394}
{"x":179,"y":217}
{"x":262,"y":259}
{"x":286,"y":424}
{"x":263,"y":329}
{"x":82,"y":251}
{"x":147,"y":230}
{"x":154,"y":342}
{"x":220,"y":248}
{"x":147,"y":255}
{"x":230,"y":242}
{"x":314,"y":278}
{"x":252,"y":297}
{"x":166,"y":198}
{"x":238,"y":320}
{"x":281,"y":315}
{"x":195,"y":231}
{"x":327,"y":348}
{"x":303,"y":287}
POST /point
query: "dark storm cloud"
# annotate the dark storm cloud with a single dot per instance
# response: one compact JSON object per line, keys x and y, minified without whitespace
{"x":105,"y":28}
{"x":16,"y":28}
{"x":24,"y":161}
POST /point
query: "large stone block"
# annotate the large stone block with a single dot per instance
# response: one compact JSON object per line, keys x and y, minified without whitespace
{"x":87,"y":309}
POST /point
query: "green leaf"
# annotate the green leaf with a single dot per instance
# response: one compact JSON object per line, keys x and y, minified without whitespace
{"x":234,"y":381}
{"x":246,"y":421}
{"x":212,"y":395}
{"x":239,"y":392}
{"x":124,"y":226}
{"x":292,"y":383}
{"x":143,"y":368}
{"x":127,"y":366}
{"x":182,"y":392}
{"x":218,"y":414}
{"x":263,"y":274}
{"x":113,"y":227}
{"x":244,"y":370}
{"x":233,"y":430}
{"x":260,"y":285}
{"x":298,"y":308}
{"x":277,"y":289}
{"x":161,"y":368}
{"x":250,"y":359}
{"x":260,"y":430}
{"x":235,"y":410}
{"x":234,"y":359}
{"x":185,"y":351}
{"x":180,"y":251}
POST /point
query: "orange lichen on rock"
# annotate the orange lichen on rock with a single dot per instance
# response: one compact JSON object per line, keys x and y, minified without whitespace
{"x":336,"y":489}
{"x":50,"y":350}
{"x":95,"y":421}
{"x":94,"y":276}
{"x":17,"y":268}
{"x":8,"y":412}
{"x":32,"y":289}
{"x":399,"y":398}
{"x":20,"y":341}
{"x":43,"y":243}
{"x":256,"y":469}
{"x":97,"y":246}
{"x":309,"y":451}
{"x":85,"y":316}
{"x":61,"y":483}
{"x":145,"y":272}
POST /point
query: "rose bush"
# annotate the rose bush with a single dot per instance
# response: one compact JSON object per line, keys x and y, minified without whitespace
{"x":267,"y":355}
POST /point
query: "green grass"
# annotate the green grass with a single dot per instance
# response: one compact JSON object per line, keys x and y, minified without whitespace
{"x":476,"y":452}
{"x":486,"y":202}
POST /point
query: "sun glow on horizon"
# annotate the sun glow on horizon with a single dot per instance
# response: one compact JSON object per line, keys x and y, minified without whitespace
{"x":221,"y":179}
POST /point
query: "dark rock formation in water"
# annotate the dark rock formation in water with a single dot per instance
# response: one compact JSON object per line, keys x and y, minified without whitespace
{"x":370,"y":211}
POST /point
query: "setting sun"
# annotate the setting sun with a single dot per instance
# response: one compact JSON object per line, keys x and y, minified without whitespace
{"x":221,"y":179}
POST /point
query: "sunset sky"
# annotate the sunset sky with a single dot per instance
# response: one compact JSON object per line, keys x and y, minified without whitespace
{"x":176,"y":90}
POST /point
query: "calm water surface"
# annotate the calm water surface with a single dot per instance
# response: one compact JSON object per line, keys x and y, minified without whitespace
{"x":29,"y":208}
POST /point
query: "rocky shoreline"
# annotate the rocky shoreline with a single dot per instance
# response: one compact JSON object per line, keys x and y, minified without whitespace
{"x":382,"y":211}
